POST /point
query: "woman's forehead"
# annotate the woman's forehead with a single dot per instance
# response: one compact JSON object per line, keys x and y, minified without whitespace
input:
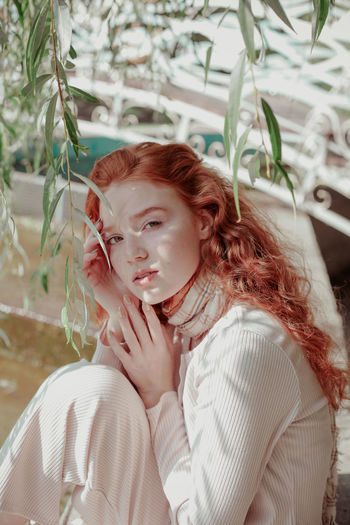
{"x":131,"y":199}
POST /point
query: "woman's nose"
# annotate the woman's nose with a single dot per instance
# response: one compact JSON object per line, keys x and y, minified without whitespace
{"x":136,"y":252}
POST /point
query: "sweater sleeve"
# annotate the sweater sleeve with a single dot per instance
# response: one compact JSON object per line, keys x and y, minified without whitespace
{"x":104,"y":355}
{"x":246,"y":393}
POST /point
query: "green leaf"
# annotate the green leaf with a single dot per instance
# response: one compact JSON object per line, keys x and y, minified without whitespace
{"x":63,"y":26}
{"x":235,"y":92}
{"x":20,"y":10}
{"x":8,"y":126}
{"x":96,"y":190}
{"x":253,"y":167}
{"x":207,"y":63}
{"x":78,"y":252}
{"x":39,"y":82}
{"x":49,"y":190}
{"x":44,"y":281}
{"x":4,"y":337}
{"x":205,"y":6}
{"x":66,"y":278}
{"x":47,"y":221}
{"x":274,"y":131}
{"x":92,"y":227}
{"x":227,"y":138}
{"x":85,"y":286}
{"x":246,"y":22}
{"x":82,"y":94}
{"x":3,"y":37}
{"x":62,"y":75}
{"x":69,"y":64}
{"x":289,"y":184}
{"x":5,"y":174}
{"x":65,"y":323}
{"x":72,"y":131}
{"x":319,"y":17}
{"x":49,"y":122}
{"x":72,"y":53}
{"x":236,"y":160}
{"x":72,"y":342}
{"x":280,"y":12}
{"x":37,"y":39}
{"x":58,"y":243}
{"x":84,"y":325}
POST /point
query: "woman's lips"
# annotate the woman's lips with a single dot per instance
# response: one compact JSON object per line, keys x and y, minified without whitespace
{"x":145,"y":278}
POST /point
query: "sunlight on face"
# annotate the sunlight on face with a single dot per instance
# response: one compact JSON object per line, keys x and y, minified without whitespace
{"x":153,"y":238}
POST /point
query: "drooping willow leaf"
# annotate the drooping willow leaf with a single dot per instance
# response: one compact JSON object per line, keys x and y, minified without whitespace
{"x":4,"y":337}
{"x":83,"y":94}
{"x":289,"y":184}
{"x":65,"y":323}
{"x":92,"y":227}
{"x":49,"y":124}
{"x":37,"y":42}
{"x":236,"y":160}
{"x":226,"y":138}
{"x":72,"y":131}
{"x":48,"y":219}
{"x":235,"y":92}
{"x":280,"y":12}
{"x":29,"y":90}
{"x":96,"y":190}
{"x":274,"y":131}
{"x":49,"y":190}
{"x":246,"y":22}
{"x":207,"y":63}
{"x":319,"y":17}
{"x":253,"y":167}
{"x":63,"y":25}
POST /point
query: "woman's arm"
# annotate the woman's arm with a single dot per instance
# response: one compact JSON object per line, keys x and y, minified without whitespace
{"x":245,"y":393}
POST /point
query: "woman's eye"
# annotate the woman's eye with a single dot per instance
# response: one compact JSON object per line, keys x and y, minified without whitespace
{"x":152,"y":224}
{"x":115,"y":239}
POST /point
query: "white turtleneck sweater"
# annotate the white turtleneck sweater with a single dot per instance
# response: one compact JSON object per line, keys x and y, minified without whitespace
{"x":246,"y":438}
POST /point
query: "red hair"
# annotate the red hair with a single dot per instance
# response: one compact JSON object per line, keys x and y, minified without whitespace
{"x":243,"y":254}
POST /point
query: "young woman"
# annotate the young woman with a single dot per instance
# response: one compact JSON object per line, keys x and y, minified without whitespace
{"x":210,"y":396}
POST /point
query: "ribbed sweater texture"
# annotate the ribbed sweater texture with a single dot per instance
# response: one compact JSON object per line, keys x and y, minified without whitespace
{"x":245,"y":439}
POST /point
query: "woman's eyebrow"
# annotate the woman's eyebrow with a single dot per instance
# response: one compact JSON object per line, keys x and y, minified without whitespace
{"x":144,"y":212}
{"x":136,"y":216}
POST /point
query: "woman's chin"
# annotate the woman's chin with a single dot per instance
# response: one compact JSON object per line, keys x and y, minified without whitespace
{"x":154,"y":297}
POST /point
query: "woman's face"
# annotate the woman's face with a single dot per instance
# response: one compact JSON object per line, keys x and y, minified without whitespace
{"x":153,"y":238}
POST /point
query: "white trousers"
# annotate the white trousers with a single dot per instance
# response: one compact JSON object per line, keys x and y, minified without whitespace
{"x":85,"y":426}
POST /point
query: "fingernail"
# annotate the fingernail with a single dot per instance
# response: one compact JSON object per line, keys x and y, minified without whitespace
{"x":126,"y":299}
{"x":146,"y":306}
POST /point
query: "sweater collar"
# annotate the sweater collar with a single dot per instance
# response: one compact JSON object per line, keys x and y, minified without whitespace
{"x":197,"y":306}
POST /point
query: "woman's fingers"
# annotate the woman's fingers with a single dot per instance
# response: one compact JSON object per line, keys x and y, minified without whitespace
{"x":154,"y":326}
{"x":137,"y":321}
{"x":120,"y":349}
{"x":128,"y":331}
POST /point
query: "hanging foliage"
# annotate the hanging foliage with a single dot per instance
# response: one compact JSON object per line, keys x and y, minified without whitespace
{"x":40,"y":46}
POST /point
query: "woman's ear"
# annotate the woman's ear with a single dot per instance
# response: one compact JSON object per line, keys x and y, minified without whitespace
{"x":205,"y":224}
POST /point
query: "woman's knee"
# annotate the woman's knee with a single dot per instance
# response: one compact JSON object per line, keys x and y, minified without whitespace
{"x":91,"y":384}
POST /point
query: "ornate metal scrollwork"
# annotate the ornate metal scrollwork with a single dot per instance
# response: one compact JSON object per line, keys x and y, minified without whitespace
{"x":322,"y":195}
{"x":216,"y":149}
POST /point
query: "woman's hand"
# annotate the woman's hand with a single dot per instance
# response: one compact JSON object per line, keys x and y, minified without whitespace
{"x":148,"y":357}
{"x":108,"y":287}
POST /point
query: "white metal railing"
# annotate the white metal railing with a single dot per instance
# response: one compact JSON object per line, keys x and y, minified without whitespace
{"x":303,"y":148}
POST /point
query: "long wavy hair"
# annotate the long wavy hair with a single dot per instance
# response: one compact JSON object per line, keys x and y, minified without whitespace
{"x":242,"y":253}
